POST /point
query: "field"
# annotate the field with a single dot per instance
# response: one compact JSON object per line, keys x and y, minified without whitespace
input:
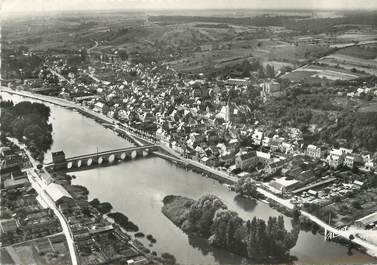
{"x":314,"y":73}
{"x":359,"y":58}
{"x":216,"y":58}
{"x":297,"y":54}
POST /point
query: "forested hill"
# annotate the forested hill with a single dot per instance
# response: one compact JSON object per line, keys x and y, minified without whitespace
{"x":209,"y":217}
{"x":28,"y":122}
{"x":312,"y":25}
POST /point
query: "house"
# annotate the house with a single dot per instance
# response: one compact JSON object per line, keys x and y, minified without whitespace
{"x":209,"y":161}
{"x":358,"y":183}
{"x":11,"y":163}
{"x":15,"y":183}
{"x":257,"y":137}
{"x":349,"y":161}
{"x":274,"y":166}
{"x":246,"y":160}
{"x":336,"y":157}
{"x":98,"y":107}
{"x":266,"y":142}
{"x":226,"y":159}
{"x":263,"y":157}
{"x":313,"y":151}
{"x":147,"y":117}
{"x":211,"y":135}
{"x":233,"y":145}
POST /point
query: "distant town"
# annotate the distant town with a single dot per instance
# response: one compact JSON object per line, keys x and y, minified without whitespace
{"x":271,"y":109}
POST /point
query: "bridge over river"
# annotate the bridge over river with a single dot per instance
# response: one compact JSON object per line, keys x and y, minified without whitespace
{"x":60,"y":162}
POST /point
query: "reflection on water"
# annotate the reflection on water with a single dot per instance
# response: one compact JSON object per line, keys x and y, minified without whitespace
{"x":247,"y":204}
{"x":220,"y":256}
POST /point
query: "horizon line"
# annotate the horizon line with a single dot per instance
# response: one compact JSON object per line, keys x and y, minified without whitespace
{"x":188,"y":9}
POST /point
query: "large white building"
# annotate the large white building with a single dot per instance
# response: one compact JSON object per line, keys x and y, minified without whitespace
{"x":313,"y":151}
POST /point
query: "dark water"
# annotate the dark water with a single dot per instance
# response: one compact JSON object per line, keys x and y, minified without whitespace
{"x":136,"y":188}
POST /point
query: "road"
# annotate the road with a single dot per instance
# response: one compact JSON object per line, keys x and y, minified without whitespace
{"x":95,"y":46}
{"x":59,"y":75}
{"x":40,"y":187}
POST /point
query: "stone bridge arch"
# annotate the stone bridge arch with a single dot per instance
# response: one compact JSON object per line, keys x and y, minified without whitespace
{"x":111,"y":158}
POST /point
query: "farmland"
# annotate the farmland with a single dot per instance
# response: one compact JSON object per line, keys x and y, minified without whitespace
{"x":315,"y":73}
{"x":357,"y":58}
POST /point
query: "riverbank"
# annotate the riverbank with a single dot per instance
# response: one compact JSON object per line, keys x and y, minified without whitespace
{"x":96,"y":144}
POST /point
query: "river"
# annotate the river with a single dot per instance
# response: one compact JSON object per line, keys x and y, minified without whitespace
{"x":136,"y":188}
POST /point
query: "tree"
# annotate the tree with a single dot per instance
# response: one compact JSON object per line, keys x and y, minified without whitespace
{"x":270,"y":71}
{"x":356,"y":204}
{"x":246,"y":186}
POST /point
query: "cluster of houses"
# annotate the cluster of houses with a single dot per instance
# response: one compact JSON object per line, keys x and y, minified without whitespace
{"x":197,"y":119}
{"x":372,"y":91}
{"x":22,"y":216}
{"x":342,"y":157}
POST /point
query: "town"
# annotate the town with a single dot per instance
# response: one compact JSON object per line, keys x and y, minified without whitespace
{"x":303,"y":132}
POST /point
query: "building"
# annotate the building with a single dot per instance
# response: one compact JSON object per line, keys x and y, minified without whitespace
{"x":349,"y":161}
{"x":246,"y":160}
{"x":98,"y":107}
{"x":226,"y":159}
{"x":238,"y":81}
{"x":283,"y":185}
{"x":225,"y":113}
{"x":58,"y":157}
{"x":58,"y":193}
{"x":11,"y":163}
{"x":263,"y":157}
{"x":8,"y":225}
{"x":336,"y":157}
{"x":270,"y":89}
{"x":314,"y":151}
{"x":258,"y":138}
{"x":16,"y":183}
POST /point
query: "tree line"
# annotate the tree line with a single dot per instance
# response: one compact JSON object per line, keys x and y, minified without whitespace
{"x":256,"y":239}
{"x":29,"y":123}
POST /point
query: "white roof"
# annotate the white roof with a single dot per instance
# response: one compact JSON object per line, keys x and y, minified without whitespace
{"x":57,"y":191}
{"x":359,"y":183}
{"x":263,"y":155}
{"x":336,"y":152}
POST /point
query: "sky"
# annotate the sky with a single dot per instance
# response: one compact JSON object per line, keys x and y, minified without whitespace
{"x":65,"y":5}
